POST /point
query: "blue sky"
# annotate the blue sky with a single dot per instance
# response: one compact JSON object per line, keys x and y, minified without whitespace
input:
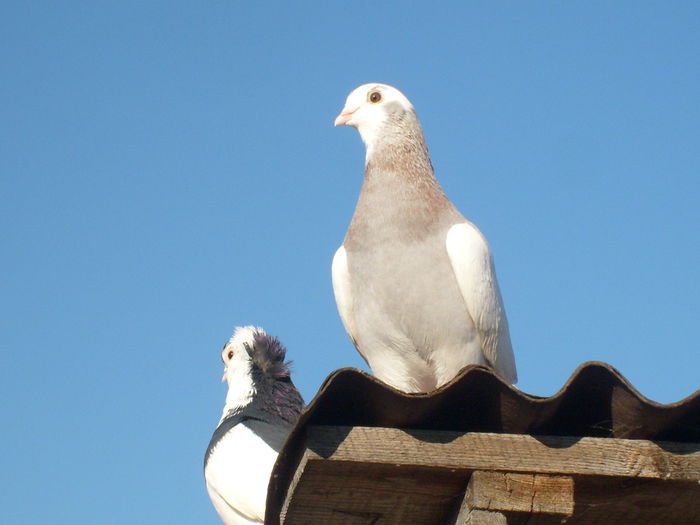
{"x":169,"y":170}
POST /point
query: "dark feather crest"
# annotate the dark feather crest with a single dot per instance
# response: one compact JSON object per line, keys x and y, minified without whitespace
{"x":267,"y":355}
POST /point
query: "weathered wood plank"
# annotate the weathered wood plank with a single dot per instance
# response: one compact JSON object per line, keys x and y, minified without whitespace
{"x":481,"y":517}
{"x":514,"y":492}
{"x":469,"y":515}
{"x":293,"y":492}
{"x":377,"y":476}
{"x":338,"y":492}
{"x":638,"y":501}
{"x":506,"y":452}
{"x":329,"y":493}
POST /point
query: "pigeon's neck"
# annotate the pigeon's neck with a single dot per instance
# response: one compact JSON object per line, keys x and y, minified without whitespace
{"x":279,"y":399}
{"x":400,"y":195}
{"x":398,"y":159}
{"x":398,"y":143}
{"x":241,"y":390}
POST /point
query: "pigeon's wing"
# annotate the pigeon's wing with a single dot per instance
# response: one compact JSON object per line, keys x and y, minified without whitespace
{"x":472,"y":264}
{"x":343,"y":292}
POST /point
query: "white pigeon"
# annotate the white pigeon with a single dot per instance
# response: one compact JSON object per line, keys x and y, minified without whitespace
{"x":262,"y":405}
{"x":414,"y":280}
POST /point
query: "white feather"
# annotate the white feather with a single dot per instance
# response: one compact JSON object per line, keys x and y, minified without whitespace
{"x":237,"y":476}
{"x":342,"y":291}
{"x":471,"y":261}
{"x":369,"y":118}
{"x":237,"y":369}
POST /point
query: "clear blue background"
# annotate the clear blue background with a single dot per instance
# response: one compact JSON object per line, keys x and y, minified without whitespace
{"x":169,"y":170}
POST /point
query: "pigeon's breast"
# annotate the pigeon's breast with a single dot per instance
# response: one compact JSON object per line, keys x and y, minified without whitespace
{"x":404,"y":292}
{"x":237,"y":473}
{"x":404,"y":289}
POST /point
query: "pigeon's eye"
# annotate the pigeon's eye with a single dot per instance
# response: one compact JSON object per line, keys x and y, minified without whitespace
{"x":374,"y":97}
{"x":230,"y":354}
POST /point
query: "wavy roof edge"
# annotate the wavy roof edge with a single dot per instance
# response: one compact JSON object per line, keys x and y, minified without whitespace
{"x":596,"y":401}
{"x":479,"y":400}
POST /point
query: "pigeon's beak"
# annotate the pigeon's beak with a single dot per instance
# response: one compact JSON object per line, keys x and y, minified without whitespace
{"x":344,"y":116}
{"x":223,"y":378}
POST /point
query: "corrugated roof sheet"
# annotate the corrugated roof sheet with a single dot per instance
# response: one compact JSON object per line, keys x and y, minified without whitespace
{"x":596,"y":401}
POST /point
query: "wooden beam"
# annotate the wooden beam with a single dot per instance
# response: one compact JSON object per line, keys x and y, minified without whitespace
{"x":336,"y":492}
{"x":492,"y":497}
{"x":379,"y":476}
{"x":480,"y":517}
{"x":514,"y":492}
{"x":505,"y":452}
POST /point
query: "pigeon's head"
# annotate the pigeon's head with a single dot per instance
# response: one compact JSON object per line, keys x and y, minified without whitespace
{"x":252,"y":352}
{"x":375,"y":108}
{"x":254,"y":367}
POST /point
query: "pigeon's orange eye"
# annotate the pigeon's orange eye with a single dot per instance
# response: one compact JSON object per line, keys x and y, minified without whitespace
{"x":374,"y":97}
{"x":230,"y":354}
